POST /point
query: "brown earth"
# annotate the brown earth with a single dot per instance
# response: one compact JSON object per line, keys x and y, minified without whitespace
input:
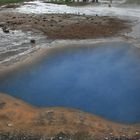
{"x":64,"y":26}
{"x":17,"y":116}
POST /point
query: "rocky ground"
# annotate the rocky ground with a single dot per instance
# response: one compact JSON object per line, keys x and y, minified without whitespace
{"x":66,"y":26}
{"x":59,"y":136}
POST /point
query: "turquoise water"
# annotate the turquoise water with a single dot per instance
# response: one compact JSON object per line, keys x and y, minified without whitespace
{"x":103,"y":80}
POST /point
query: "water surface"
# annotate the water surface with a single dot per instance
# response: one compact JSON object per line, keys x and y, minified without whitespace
{"x":103,"y":80}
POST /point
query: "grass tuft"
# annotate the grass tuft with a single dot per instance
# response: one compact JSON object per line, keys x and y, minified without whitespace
{"x":133,"y":1}
{"x":10,"y":1}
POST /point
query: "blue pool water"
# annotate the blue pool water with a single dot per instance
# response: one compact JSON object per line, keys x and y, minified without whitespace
{"x":103,"y":80}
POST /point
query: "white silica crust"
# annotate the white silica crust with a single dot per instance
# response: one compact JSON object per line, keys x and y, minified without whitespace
{"x":39,"y":7}
{"x":17,"y":43}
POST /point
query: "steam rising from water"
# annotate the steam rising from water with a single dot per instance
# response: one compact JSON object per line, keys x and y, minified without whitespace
{"x":103,"y":80}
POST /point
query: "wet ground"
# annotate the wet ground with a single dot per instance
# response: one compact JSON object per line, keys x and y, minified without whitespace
{"x":17,"y":43}
{"x":30,"y":15}
{"x":34,"y":15}
{"x":38,"y":7}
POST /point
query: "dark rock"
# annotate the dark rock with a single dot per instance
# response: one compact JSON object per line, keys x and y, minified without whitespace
{"x":2,"y":24}
{"x":2,"y":104}
{"x":32,"y":41}
{"x":5,"y":29}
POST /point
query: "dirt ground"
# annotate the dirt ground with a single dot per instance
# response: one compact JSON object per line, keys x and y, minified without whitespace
{"x":17,"y":116}
{"x":64,"y":26}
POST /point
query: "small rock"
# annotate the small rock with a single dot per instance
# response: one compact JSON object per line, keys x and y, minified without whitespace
{"x":60,"y":138}
{"x":5,"y":29}
{"x":2,"y":24}
{"x":9,"y":125}
{"x":32,"y":41}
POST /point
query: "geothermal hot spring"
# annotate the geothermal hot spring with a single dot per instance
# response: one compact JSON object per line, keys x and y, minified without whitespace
{"x":102,"y":79}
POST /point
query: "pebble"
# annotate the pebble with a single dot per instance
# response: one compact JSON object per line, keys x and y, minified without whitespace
{"x":9,"y":125}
